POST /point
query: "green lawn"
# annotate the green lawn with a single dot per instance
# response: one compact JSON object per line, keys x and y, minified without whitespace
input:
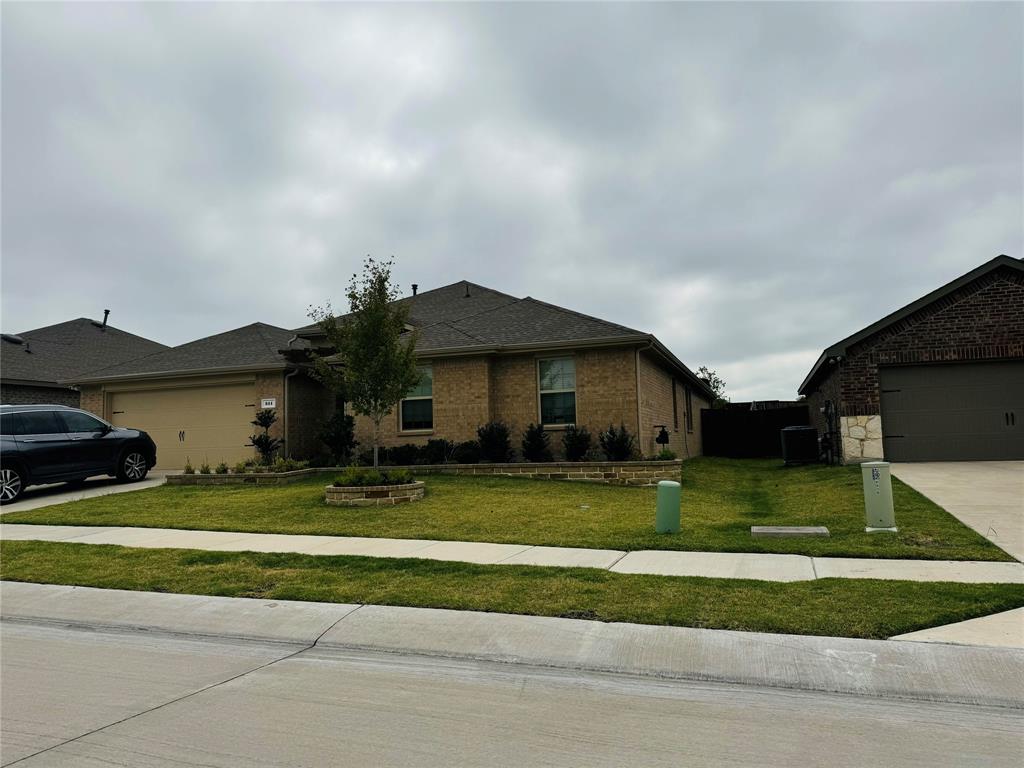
{"x":722,"y":498}
{"x":842,"y":607}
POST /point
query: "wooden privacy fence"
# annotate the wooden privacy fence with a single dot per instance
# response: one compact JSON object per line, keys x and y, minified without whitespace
{"x":748,"y":434}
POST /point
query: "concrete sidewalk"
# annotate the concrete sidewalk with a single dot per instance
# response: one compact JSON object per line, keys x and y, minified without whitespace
{"x":719,"y":565}
{"x":882,"y":668}
{"x":38,"y":496}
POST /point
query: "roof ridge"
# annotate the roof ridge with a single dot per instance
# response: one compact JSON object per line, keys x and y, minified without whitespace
{"x":457,"y":282}
{"x":475,"y":314}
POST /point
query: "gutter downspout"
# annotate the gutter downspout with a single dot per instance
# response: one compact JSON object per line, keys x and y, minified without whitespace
{"x":287,"y":443}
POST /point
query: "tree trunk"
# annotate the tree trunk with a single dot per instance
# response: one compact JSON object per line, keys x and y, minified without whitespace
{"x":376,"y":432}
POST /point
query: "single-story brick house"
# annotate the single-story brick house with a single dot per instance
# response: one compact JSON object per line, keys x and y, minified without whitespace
{"x":941,"y":379}
{"x":34,"y":363}
{"x":485,"y":356}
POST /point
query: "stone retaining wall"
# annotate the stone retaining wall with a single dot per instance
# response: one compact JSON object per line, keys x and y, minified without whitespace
{"x":607,"y":472}
{"x":374,"y":495}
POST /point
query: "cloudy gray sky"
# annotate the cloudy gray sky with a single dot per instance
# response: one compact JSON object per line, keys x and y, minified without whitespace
{"x":749,"y":182}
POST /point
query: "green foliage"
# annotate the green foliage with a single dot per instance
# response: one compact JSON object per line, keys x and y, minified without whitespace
{"x":338,"y":434}
{"x":617,"y":444}
{"x":363,"y":476}
{"x":495,"y":442}
{"x":265,"y":444}
{"x":665,"y":454}
{"x":282,"y":464}
{"x":221,"y":469}
{"x":404,"y":455}
{"x":375,"y":365}
{"x":204,"y":468}
{"x":715,"y":384}
{"x":437,"y":451}
{"x":242,"y":467}
{"x":576,"y":441}
{"x":466,"y":453}
{"x":536,"y":444}
{"x":189,"y":469}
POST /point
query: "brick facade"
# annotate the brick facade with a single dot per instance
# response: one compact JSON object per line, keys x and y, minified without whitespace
{"x":658,"y":407}
{"x":309,"y":406}
{"x":982,"y":320}
{"x":470,"y":391}
{"x":21,"y":394}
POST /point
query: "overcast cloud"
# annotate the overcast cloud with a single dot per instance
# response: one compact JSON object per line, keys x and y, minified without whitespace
{"x":749,"y":182}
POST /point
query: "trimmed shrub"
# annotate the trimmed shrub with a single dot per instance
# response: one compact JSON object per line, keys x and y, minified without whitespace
{"x":466,"y":453}
{"x":536,"y":444}
{"x":363,"y":476}
{"x":577,"y":443}
{"x":262,"y":441}
{"x":282,"y":464}
{"x":403,"y":455}
{"x":617,"y":444}
{"x":189,"y":469}
{"x":242,"y":467}
{"x":221,"y":469}
{"x":495,"y":443}
{"x":338,"y":435}
{"x":204,"y":468}
{"x":437,"y":451}
{"x":665,"y":454}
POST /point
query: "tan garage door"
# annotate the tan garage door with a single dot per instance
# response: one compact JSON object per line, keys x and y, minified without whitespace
{"x":201,"y":424}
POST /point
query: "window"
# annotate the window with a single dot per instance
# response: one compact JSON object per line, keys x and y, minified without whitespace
{"x":557,"y":391}
{"x":689,"y":411}
{"x":7,"y":425}
{"x":675,"y":407}
{"x":417,"y":409}
{"x":38,"y":423}
{"x":81,"y":422}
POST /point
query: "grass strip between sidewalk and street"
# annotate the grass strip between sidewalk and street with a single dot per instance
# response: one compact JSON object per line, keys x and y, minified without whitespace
{"x":721,"y":500}
{"x":837,"y":607}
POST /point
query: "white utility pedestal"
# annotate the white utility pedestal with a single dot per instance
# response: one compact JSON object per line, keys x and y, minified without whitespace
{"x":878,"y":510}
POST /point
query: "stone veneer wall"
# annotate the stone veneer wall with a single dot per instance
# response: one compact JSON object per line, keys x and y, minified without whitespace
{"x":862,"y":437}
{"x":606,"y":472}
{"x":374,"y":495}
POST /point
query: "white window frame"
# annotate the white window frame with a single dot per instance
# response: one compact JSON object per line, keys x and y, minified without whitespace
{"x":419,"y":431}
{"x":542,"y":392}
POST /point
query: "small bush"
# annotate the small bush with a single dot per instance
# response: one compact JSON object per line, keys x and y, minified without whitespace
{"x":466,"y":453}
{"x":437,"y":451}
{"x":221,"y":469}
{"x":617,"y":444}
{"x":495,"y":443}
{"x":204,"y":468}
{"x":282,"y":464}
{"x":361,"y":477}
{"x":383,"y":457}
{"x":665,"y":454}
{"x":404,"y":455}
{"x":189,"y":469}
{"x":576,"y":441}
{"x":536,"y":444}
{"x":242,"y":467}
{"x":338,"y":435}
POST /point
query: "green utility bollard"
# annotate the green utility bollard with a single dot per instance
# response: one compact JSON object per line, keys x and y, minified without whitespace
{"x":878,"y":509}
{"x":666,"y":519}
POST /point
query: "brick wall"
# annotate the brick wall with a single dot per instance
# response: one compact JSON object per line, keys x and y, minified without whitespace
{"x":94,"y":400}
{"x":271,"y":384}
{"x":980,"y":321}
{"x":658,"y":408}
{"x":20,"y":394}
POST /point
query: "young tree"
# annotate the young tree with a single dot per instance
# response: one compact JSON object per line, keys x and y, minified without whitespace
{"x":375,"y":364}
{"x":714,"y":381}
{"x":262,"y":441}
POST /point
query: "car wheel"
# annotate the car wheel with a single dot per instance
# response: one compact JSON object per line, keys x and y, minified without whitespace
{"x":133,"y":467}
{"x":12,"y":483}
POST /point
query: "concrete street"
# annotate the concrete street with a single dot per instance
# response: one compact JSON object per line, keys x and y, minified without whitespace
{"x":987,"y":496}
{"x":74,"y":696}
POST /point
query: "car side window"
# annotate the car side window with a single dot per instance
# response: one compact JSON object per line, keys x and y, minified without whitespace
{"x":8,"y":424}
{"x":80,"y":422}
{"x":39,"y":423}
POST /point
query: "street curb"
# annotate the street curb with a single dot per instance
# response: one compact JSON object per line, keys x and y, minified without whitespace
{"x":889,"y":669}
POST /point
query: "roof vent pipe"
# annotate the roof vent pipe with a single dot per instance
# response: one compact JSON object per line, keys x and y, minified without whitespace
{"x":467,"y":291}
{"x":106,"y":314}
{"x":415,"y":287}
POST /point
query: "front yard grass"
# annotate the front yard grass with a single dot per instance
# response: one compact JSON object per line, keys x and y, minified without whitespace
{"x":839,"y":607}
{"x":721,"y":499}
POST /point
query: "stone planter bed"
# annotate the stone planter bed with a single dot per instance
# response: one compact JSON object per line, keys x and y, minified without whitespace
{"x":374,"y":495}
{"x":607,"y":472}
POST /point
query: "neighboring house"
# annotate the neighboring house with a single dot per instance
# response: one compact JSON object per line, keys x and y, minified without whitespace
{"x":940,"y":379}
{"x":488,"y":356}
{"x":35,"y":364}
{"x":485,"y":356}
{"x":198,"y":400}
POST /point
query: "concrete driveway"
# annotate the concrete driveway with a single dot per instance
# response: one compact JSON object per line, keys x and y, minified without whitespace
{"x":44,"y":495}
{"x":988,"y":496}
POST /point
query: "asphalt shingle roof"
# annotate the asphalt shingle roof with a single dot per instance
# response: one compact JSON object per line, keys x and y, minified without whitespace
{"x":246,"y":347}
{"x":63,"y":351}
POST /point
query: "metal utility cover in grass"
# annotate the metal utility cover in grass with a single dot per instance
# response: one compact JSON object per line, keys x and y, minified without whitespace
{"x":787,"y":531}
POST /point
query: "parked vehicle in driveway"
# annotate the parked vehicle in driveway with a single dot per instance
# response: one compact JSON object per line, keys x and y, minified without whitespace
{"x":55,"y":443}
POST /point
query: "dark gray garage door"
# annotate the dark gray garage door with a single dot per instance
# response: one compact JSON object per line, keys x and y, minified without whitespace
{"x":955,"y":412}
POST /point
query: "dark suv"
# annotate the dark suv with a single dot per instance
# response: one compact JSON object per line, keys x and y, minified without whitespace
{"x":54,"y":443}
